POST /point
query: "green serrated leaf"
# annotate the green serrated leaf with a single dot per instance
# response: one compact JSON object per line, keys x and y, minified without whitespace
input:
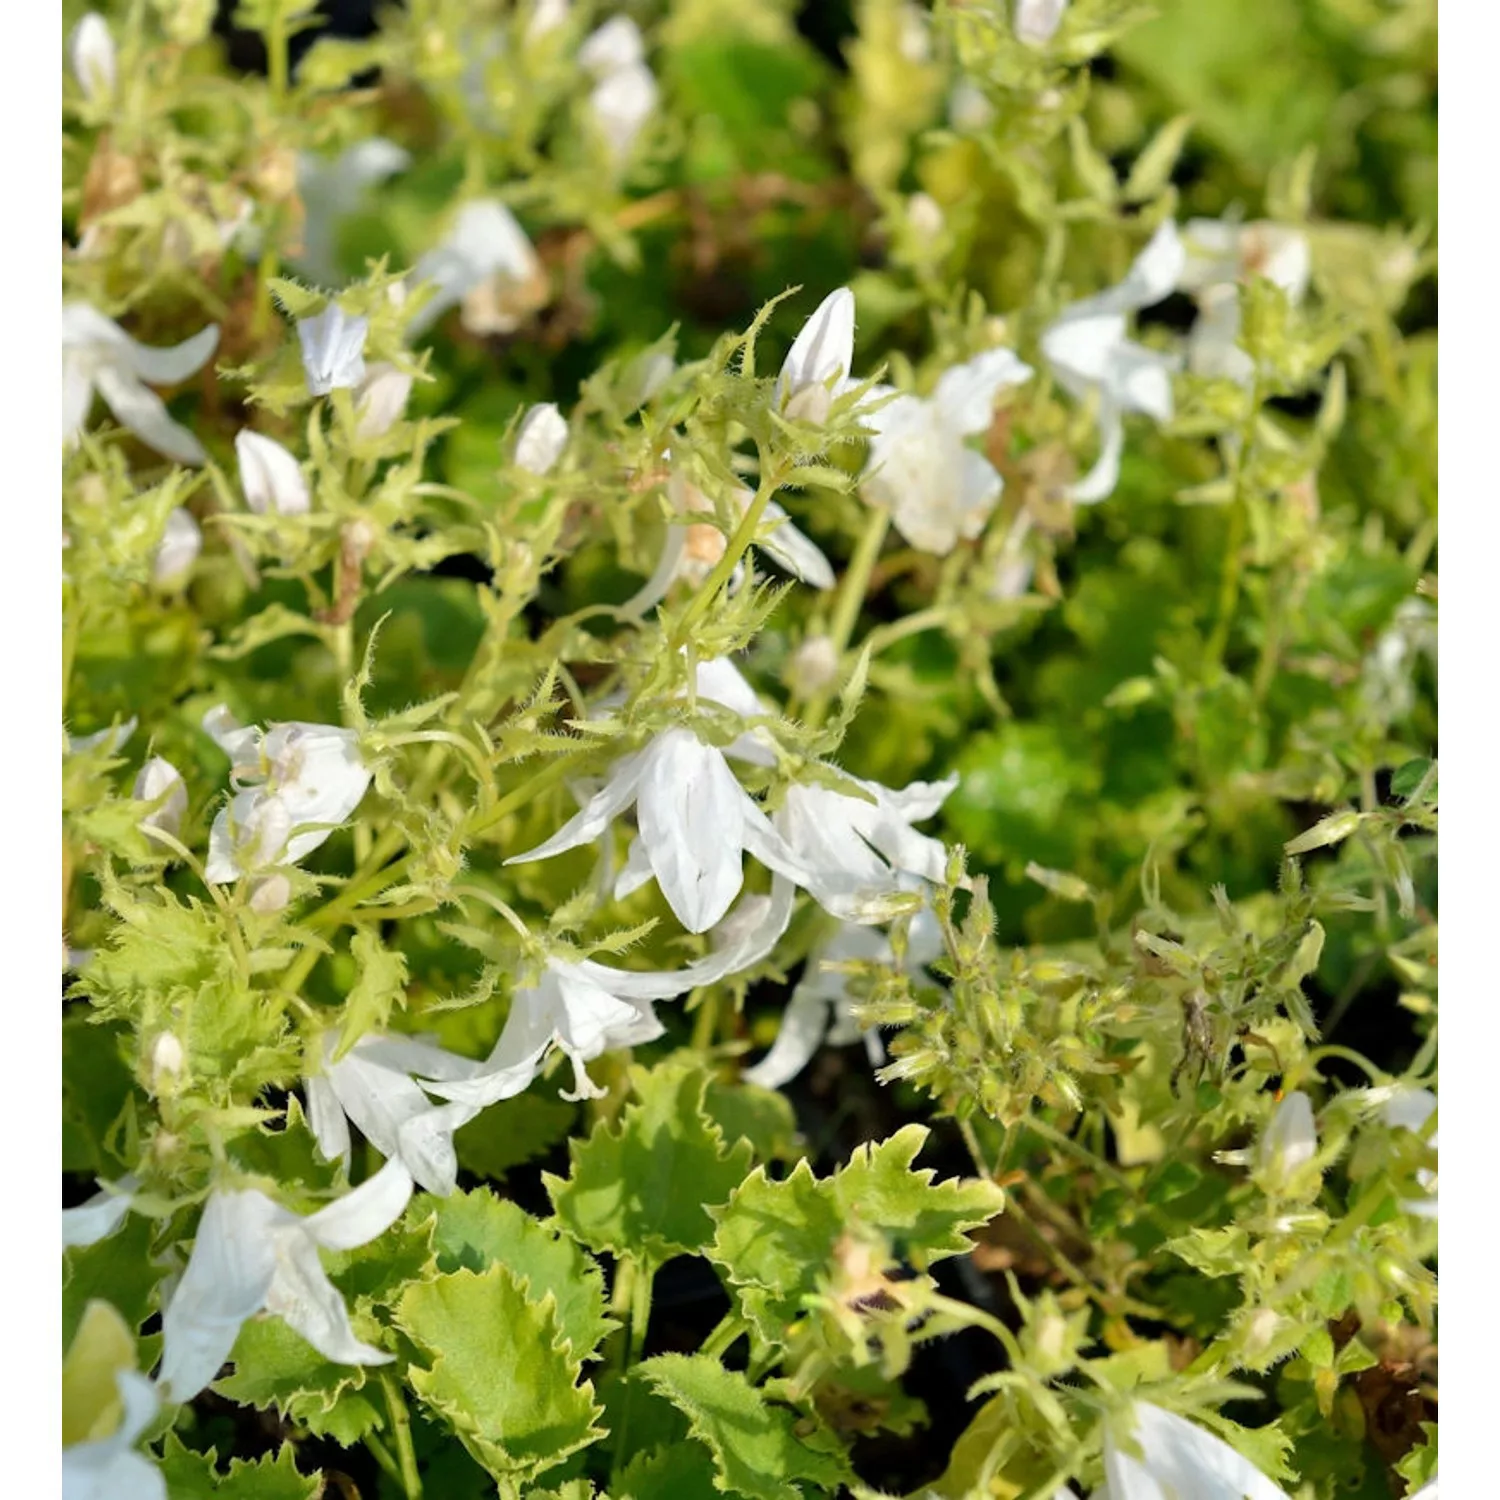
{"x":379,"y":989}
{"x":476,"y":1230}
{"x":500,"y":1372}
{"x":683,"y":1471}
{"x":191,"y":1475}
{"x":118,"y":1270}
{"x":755,"y":1445}
{"x":276,"y":1368}
{"x":644,"y":1190}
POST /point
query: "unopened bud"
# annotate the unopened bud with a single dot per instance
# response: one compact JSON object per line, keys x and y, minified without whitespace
{"x":181,"y":542}
{"x":159,"y":781}
{"x":381,"y":399}
{"x":541,"y":438}
{"x":167,"y":1060}
{"x":1290,"y":1141}
{"x":814,"y":667}
{"x":271,"y":478}
{"x":924,"y":215}
{"x":93,"y":57}
{"x":270,"y":895}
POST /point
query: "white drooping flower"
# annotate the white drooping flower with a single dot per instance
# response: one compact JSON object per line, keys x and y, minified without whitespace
{"x":546,"y":16}
{"x":1089,"y":353}
{"x":109,"y":1468}
{"x":296,"y":781}
{"x":373,"y":1086}
{"x":333,"y":350}
{"x":820,"y":1009}
{"x":541,"y":438}
{"x":1289,"y":1141}
{"x":1219,"y":257}
{"x":177,"y":551}
{"x":584,"y":1009}
{"x":271,"y":477}
{"x":1410,"y":1109}
{"x":1037,"y":21}
{"x":330,"y":190}
{"x":936,"y":487}
{"x":816,"y":369}
{"x":252,"y":1255}
{"x":100,"y":1215}
{"x":92,"y":52}
{"x":1178,"y":1461}
{"x":625,"y":91}
{"x":696,"y":824}
{"x":691,"y":549}
{"x":380,"y":399}
{"x":161,"y":782}
{"x":98,"y":355}
{"x":487,"y":263}
{"x":855,"y":855}
{"x":1388,"y":680}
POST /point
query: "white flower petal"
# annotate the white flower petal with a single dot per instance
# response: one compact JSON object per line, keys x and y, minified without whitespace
{"x":363,"y":1214}
{"x":333,"y":350}
{"x":800,"y":557}
{"x":965,"y":394}
{"x":636,"y":871}
{"x":92,"y":51}
{"x":822,"y":352}
{"x":485,"y":241}
{"x":381,"y":399}
{"x":160,"y":781}
{"x":1100,"y":481}
{"x":803,"y":1026}
{"x":1290,"y":1140}
{"x":270,"y":476}
{"x":1181,"y":1459}
{"x":622,"y":103}
{"x":326,"y":1119}
{"x":541,"y":438}
{"x":614,"y":46}
{"x":309,"y":1303}
{"x":109,"y":1468}
{"x":181,"y":542}
{"x":1037,"y":20}
{"x":595,"y":816}
{"x":228,"y":1275}
{"x":690,"y":810}
{"x":144,"y":413}
{"x":99,"y":1216}
{"x":176,"y":363}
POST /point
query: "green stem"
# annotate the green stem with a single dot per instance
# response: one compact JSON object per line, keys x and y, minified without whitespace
{"x":411,"y":1480}
{"x":1234,"y":555}
{"x":851,"y":597}
{"x":382,"y":1456}
{"x":723,"y":570}
{"x":731,"y":1326}
{"x":630,"y":1300}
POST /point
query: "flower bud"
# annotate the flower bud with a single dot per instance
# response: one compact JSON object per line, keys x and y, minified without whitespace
{"x":270,"y":895}
{"x":270,"y":476}
{"x":93,"y":56}
{"x":160,"y":781}
{"x":381,"y":399}
{"x":542,"y":436}
{"x":1290,"y":1141}
{"x":181,"y":542}
{"x":166,"y":1061}
{"x":925,"y":216}
{"x":814,"y":667}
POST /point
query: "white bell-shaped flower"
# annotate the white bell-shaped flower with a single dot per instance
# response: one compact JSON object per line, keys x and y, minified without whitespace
{"x":625,"y":90}
{"x":98,"y":355}
{"x":854,"y":855}
{"x":333,"y":349}
{"x":816,"y":368}
{"x":161,"y":782}
{"x":1179,"y":1460}
{"x":181,"y":542}
{"x":541,"y":438}
{"x":372,"y":1085}
{"x":92,"y":52}
{"x":298,"y":782}
{"x":1089,"y":353}
{"x":584,"y":1009}
{"x":696,"y":824}
{"x":252,"y":1255}
{"x":936,"y":487}
{"x":485,"y":245}
{"x":270,"y":476}
{"x":109,"y":1468}
{"x":820,"y":1009}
